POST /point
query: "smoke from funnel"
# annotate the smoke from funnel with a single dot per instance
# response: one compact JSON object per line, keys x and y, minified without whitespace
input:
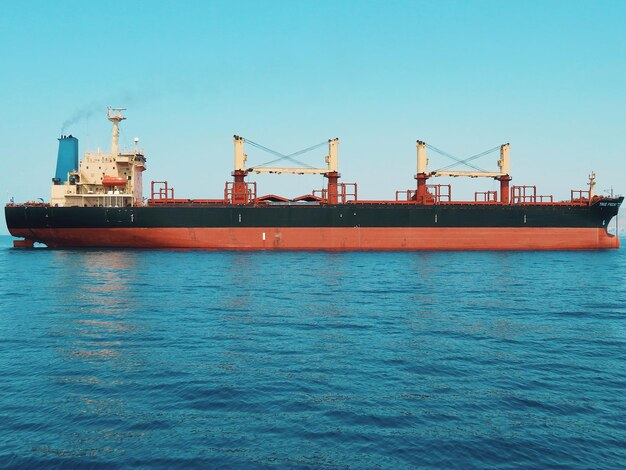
{"x":96,"y":107}
{"x":124,"y":98}
{"x":82,"y":114}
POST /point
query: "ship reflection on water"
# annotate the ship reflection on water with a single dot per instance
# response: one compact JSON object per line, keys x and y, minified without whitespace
{"x":96,"y":356}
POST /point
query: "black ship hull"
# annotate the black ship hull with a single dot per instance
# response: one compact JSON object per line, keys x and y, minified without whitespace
{"x":355,"y":226}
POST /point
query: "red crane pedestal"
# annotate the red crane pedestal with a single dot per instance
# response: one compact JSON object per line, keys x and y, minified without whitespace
{"x":333,"y":193}
{"x":240,"y":188}
{"x":504,"y":188}
{"x":422,"y":191}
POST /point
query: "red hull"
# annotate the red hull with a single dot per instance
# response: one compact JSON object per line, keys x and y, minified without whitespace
{"x":336,"y":239}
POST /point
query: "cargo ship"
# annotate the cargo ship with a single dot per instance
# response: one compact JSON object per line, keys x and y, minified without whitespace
{"x":98,"y":202}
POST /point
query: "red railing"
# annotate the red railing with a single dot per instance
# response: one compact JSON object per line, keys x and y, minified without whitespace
{"x":321,"y":193}
{"x":528,"y":195}
{"x":580,"y":196}
{"x":409,"y":195}
{"x":440,"y":192}
{"x":160,"y":190}
{"x":522,"y":194}
{"x":343,"y":193}
{"x":486,"y":196}
{"x":435,"y":194}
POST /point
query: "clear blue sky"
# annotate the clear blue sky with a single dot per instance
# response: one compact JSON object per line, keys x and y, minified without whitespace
{"x":546,"y":76}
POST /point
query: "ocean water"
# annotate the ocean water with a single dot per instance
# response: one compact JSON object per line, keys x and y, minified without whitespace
{"x":312,"y":360}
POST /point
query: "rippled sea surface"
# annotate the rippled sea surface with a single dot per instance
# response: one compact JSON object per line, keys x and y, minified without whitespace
{"x":312,"y":360}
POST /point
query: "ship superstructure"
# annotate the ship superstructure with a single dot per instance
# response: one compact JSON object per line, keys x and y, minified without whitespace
{"x":99,"y":202}
{"x":100,"y":179}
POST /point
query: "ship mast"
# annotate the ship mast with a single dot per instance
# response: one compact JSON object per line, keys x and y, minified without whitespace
{"x":115,"y":116}
{"x":592,"y":185}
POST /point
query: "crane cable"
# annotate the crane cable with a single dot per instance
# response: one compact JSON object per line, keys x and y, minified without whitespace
{"x":459,"y":161}
{"x":284,"y":157}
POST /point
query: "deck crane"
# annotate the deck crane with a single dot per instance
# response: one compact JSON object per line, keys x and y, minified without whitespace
{"x":241,"y":171}
{"x":423,"y":174}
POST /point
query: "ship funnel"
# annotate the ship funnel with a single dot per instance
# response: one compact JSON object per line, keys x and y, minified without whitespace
{"x":67,"y":158}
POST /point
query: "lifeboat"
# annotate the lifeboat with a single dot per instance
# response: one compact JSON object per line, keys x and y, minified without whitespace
{"x":113,"y":181}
